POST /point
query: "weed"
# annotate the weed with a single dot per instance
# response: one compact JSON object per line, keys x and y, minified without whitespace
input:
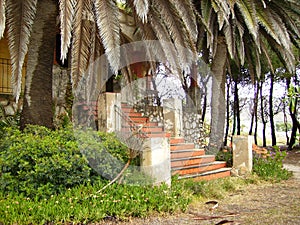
{"x":271,"y":167}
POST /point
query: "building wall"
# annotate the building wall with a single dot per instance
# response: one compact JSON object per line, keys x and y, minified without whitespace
{"x":6,"y":97}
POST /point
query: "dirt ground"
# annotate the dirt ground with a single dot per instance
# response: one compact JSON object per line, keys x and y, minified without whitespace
{"x":265,"y":203}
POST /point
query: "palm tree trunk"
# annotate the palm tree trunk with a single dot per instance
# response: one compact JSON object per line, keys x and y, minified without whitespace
{"x":218,"y":97}
{"x":38,"y":103}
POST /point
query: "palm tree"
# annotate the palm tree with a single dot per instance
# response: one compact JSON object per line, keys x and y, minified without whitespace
{"x":89,"y":28}
{"x":243,"y":30}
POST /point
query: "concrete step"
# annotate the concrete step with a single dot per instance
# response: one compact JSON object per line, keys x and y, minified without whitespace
{"x":149,"y":134}
{"x":133,"y":114}
{"x":144,"y":124}
{"x":196,"y":169}
{"x":176,"y":140}
{"x":197,"y":160}
{"x":175,"y":154}
{"x":144,"y":129}
{"x":139,"y":119}
{"x":182,"y":146}
{"x":210,"y":175}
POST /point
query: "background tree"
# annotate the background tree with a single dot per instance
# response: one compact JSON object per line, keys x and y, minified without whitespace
{"x":241,"y":30}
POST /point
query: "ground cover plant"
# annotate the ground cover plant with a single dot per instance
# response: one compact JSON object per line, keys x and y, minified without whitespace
{"x":271,"y":167}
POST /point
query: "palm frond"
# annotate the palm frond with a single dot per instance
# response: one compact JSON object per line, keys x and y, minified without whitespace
{"x":67,"y":9}
{"x":165,"y":53}
{"x":20,"y":17}
{"x":109,"y":30}
{"x":248,"y":12}
{"x":222,"y":9}
{"x":187,"y":14}
{"x":92,"y":75}
{"x":240,"y":46}
{"x":286,"y":56}
{"x":290,"y":14}
{"x":266,"y":54}
{"x":176,"y":30}
{"x":2,"y":18}
{"x":81,"y":41}
{"x":275,"y":27}
{"x":266,"y":20}
{"x":142,"y":9}
{"x":230,"y":39}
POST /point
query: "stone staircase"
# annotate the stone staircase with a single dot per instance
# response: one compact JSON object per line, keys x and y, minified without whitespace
{"x":186,"y":160}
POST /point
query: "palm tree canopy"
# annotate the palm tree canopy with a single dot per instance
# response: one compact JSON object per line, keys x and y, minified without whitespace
{"x":250,"y":27}
{"x":91,"y":26}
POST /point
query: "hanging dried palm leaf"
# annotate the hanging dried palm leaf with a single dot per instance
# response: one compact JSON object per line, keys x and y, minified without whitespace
{"x":169,"y":54}
{"x":186,"y":12}
{"x":142,"y":8}
{"x":20,"y":17}
{"x":109,"y":30}
{"x":67,"y":10}
{"x":81,"y":41}
{"x":176,"y":30}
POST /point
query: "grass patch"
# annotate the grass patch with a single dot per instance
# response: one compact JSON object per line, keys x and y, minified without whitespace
{"x":217,"y":189}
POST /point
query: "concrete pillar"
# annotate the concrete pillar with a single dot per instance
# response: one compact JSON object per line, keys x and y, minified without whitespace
{"x":109,"y":120}
{"x":155,"y":160}
{"x":242,"y":154}
{"x":172,"y":110}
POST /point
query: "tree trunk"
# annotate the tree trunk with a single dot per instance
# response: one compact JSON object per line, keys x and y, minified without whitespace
{"x":238,"y":114}
{"x":193,"y":90}
{"x":38,"y":102}
{"x":293,"y":115}
{"x":272,"y":124}
{"x":218,"y":97}
{"x":255,"y":117}
{"x":262,"y":115}
{"x":227,"y":111}
{"x":204,"y":108}
{"x":285,"y":124}
{"x":254,"y":110}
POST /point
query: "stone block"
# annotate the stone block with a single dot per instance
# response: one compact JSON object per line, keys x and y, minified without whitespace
{"x":155,"y":160}
{"x":242,"y":154}
{"x":108,"y":119}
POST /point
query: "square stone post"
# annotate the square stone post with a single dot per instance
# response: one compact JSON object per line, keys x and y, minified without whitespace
{"x":172,"y":110}
{"x":109,"y":120}
{"x":242,"y":154}
{"x":155,"y":160}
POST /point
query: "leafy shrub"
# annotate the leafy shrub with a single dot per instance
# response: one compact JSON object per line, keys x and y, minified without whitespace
{"x":41,"y":162}
{"x":225,"y":155}
{"x":271,"y":167}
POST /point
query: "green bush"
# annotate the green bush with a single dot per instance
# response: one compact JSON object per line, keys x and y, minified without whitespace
{"x":42,"y":162}
{"x":225,"y":155}
{"x":271,"y":167}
